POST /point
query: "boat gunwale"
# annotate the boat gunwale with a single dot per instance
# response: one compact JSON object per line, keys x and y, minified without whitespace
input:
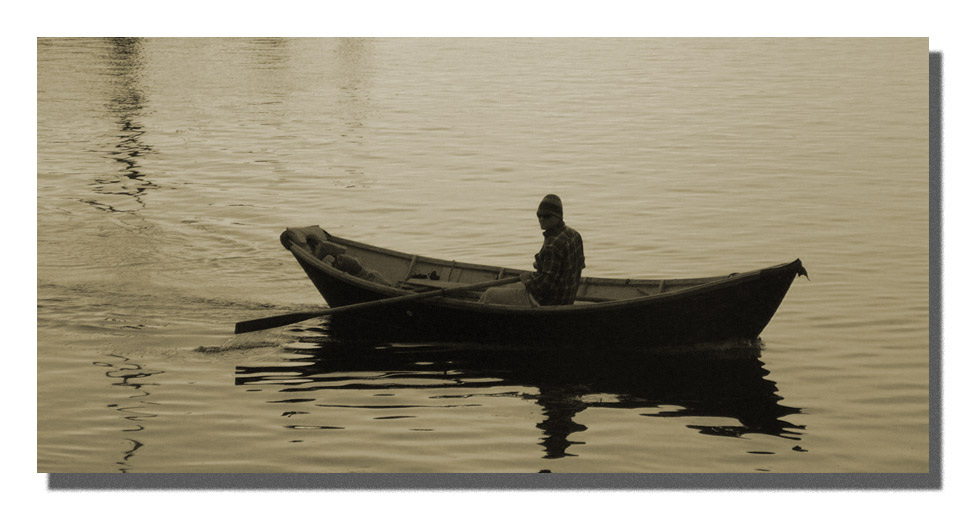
{"x":723,"y":281}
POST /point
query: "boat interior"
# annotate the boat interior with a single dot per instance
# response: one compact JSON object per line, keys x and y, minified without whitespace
{"x":386,"y":267}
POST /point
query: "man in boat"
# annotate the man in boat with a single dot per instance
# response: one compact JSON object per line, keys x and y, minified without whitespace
{"x":558,"y":264}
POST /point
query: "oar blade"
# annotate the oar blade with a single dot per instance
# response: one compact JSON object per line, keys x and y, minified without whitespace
{"x":273,"y":322}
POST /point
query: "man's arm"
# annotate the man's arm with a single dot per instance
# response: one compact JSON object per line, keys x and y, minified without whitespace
{"x":540,"y":282}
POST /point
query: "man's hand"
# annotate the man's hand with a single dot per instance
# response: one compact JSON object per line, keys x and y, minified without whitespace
{"x":524,"y":276}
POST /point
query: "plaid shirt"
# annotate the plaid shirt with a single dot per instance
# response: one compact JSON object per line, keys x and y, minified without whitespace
{"x":558,"y":267}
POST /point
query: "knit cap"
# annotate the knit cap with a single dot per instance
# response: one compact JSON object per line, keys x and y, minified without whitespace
{"x":551,"y":204}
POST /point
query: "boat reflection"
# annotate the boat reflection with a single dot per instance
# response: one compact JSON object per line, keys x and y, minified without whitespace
{"x":718,"y":383}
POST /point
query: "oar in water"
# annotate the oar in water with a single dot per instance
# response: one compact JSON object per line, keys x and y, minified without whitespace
{"x":292,"y":318}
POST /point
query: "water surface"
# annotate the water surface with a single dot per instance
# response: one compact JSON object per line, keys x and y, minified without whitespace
{"x":167,"y":168}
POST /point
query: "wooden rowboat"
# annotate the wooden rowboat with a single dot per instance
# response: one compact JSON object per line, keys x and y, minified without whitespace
{"x":609,"y":313}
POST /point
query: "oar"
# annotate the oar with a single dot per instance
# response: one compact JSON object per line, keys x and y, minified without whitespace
{"x":292,"y":318}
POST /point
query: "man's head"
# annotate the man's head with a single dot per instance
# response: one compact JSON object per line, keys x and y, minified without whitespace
{"x":550,"y":212}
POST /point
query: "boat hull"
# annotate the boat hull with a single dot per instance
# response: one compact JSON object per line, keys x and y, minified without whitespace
{"x":731,"y":309}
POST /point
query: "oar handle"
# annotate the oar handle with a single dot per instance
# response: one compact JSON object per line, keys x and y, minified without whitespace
{"x":291,"y":318}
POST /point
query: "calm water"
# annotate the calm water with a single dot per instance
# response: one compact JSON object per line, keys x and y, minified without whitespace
{"x":168,"y":167}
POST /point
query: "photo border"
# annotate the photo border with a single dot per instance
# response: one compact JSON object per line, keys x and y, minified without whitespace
{"x":643,"y":481}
